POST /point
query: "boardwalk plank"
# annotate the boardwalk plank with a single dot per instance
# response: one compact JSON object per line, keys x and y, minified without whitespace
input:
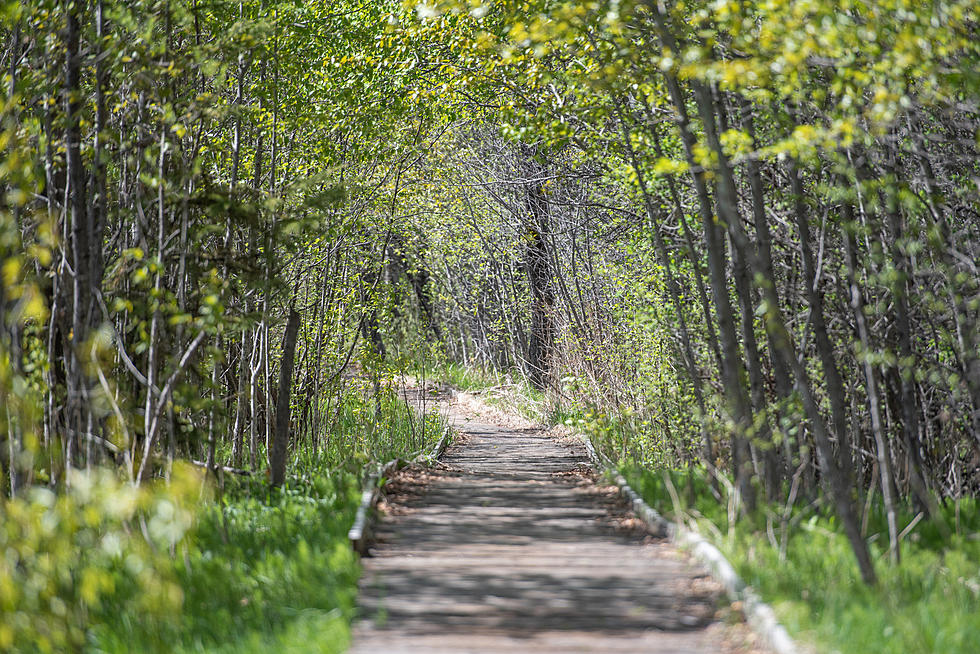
{"x":510,"y":546}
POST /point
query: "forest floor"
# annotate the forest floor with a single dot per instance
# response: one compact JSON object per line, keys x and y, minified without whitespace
{"x":511,"y":544}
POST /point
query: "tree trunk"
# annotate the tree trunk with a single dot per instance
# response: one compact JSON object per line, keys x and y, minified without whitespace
{"x":280,"y":442}
{"x":537,"y":265}
{"x":874,"y":403}
{"x":81,"y":231}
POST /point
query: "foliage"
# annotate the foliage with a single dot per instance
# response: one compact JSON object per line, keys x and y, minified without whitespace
{"x":466,"y":378}
{"x":373,"y":428}
{"x":800,"y":563}
{"x":737,"y":235}
{"x":106,"y":566}
{"x":260,"y":573}
{"x":757,"y":222}
{"x":74,"y":558}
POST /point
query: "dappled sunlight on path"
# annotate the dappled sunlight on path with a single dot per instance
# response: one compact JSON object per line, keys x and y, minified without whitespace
{"x":509,"y":545}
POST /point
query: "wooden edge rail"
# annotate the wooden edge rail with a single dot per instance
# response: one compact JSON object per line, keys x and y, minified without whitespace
{"x":760,"y":615}
{"x":362,"y":531}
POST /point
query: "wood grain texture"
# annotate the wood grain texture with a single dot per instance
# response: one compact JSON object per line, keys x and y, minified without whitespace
{"x":509,"y":545}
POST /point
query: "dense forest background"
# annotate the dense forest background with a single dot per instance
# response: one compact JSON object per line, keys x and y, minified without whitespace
{"x":740,"y":237}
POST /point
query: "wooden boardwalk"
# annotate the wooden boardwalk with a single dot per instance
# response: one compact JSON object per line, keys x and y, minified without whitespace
{"x":509,"y":546}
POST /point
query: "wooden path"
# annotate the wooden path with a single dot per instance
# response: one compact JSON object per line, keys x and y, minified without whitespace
{"x":508,"y":545}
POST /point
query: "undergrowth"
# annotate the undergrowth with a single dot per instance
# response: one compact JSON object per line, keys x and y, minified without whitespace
{"x":197,"y":566}
{"x":800,"y":562}
{"x":262,"y":572}
{"x":466,"y":378}
{"x":369,"y":428}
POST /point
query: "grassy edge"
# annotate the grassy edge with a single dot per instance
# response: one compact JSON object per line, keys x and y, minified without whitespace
{"x":268,"y":570}
{"x":929,"y":604}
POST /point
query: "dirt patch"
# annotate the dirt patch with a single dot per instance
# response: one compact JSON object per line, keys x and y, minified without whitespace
{"x":579,"y":475}
{"x":473,"y":407}
{"x":736,"y":635}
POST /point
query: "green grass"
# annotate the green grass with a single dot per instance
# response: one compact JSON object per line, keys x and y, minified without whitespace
{"x":262,"y":572}
{"x":466,"y":378}
{"x":522,"y":399}
{"x":366,"y":429}
{"x":272,"y":571}
{"x":929,"y":603}
{"x":627,"y":435}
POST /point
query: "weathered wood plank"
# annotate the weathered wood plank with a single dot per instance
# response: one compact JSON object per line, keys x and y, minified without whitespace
{"x":509,"y":545}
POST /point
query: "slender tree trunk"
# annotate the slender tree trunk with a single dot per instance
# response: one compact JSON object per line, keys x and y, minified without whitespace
{"x":660,"y":246}
{"x":964,"y":319}
{"x":883,"y":451}
{"x":715,"y":245}
{"x":691,"y":252}
{"x":81,"y":232}
{"x":537,"y":258}
{"x":909,"y":403}
{"x":825,"y":349}
{"x":280,"y":443}
{"x":763,"y":244}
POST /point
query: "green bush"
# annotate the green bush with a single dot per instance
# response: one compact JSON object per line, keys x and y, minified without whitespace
{"x":72,"y":559}
{"x":104,"y":566}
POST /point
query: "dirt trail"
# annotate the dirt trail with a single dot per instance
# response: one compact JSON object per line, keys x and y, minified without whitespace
{"x":509,"y":545}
